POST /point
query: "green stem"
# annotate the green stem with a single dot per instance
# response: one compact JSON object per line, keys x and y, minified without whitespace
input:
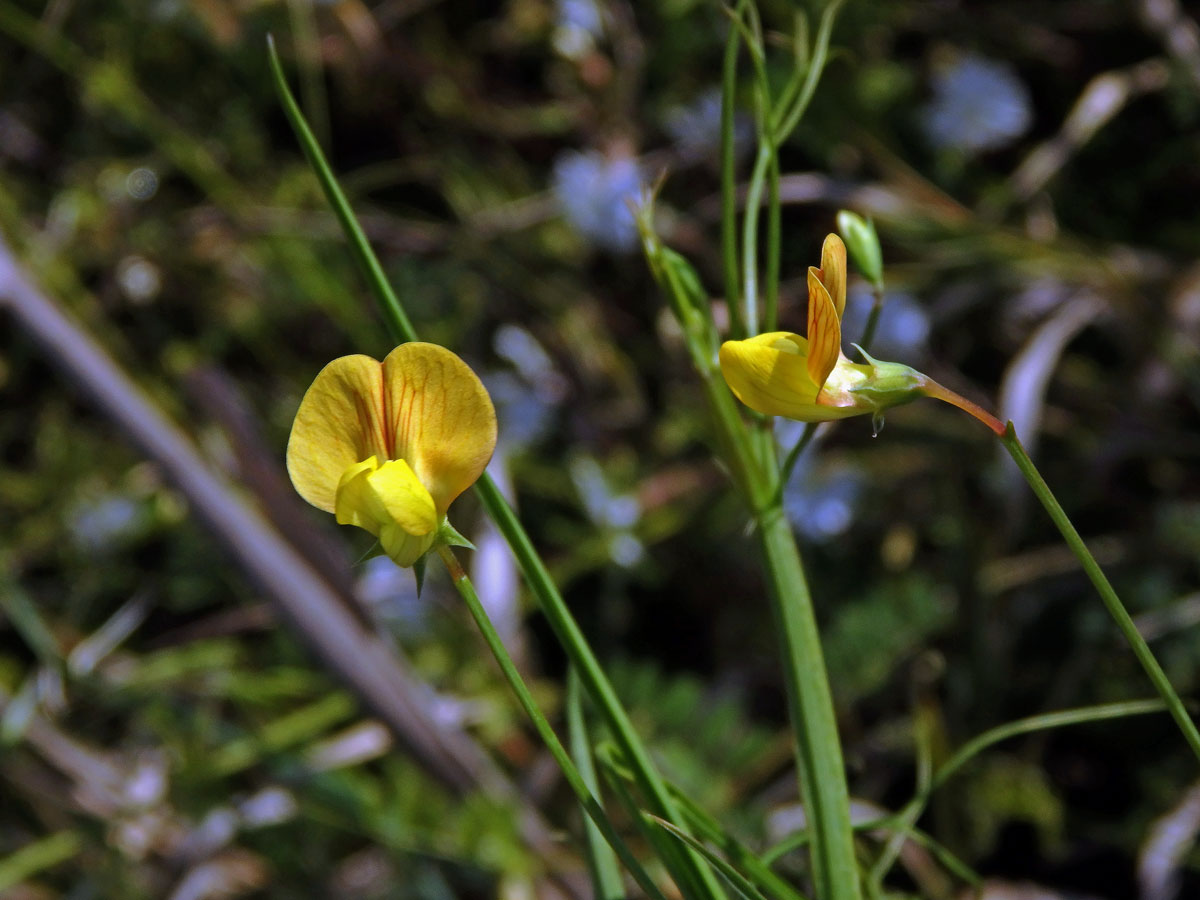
{"x":873,"y":319}
{"x":749,"y":453}
{"x":774,"y":244}
{"x":750,"y":235}
{"x":599,"y":688}
{"x":1113,"y":603}
{"x":729,"y":247}
{"x":606,"y":877}
{"x":793,"y":457}
{"x":789,"y":118}
{"x":818,"y":749}
{"x":394,"y":315}
{"x":573,"y":776}
{"x":689,"y":867}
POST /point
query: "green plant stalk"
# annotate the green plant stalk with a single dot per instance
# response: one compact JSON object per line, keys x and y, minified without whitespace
{"x":740,"y":882}
{"x":822,"y":774}
{"x":749,"y":452}
{"x":602,"y":863}
{"x":590,"y":672}
{"x":729,"y":246}
{"x":1111,"y":601}
{"x":818,"y":748}
{"x":394,"y":316}
{"x":908,"y":817}
{"x":758,"y":871}
{"x":688,"y":866}
{"x":873,"y":319}
{"x":774,"y":244}
{"x":574,"y":777}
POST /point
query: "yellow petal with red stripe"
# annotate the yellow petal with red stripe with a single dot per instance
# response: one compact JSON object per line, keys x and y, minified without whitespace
{"x":439,"y":417}
{"x":824,"y":331}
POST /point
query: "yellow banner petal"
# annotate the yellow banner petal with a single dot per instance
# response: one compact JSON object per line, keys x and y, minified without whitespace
{"x":339,"y":423}
{"x":833,"y":271}
{"x":439,"y":418}
{"x":824,"y":331}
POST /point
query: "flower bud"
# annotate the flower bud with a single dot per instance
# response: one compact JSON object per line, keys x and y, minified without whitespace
{"x":863,"y":244}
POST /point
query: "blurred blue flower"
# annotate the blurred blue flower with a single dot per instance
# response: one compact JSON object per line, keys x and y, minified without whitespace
{"x":578,"y":26}
{"x":102,"y":524}
{"x":523,"y":414}
{"x":903,"y":330}
{"x":595,"y":192}
{"x":978,"y":104}
{"x":696,"y":128}
{"x":821,"y":502}
{"x":615,"y":514}
{"x":392,"y":593}
{"x":525,"y":400}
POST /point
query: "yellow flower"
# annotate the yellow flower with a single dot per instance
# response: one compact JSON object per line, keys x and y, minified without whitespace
{"x":810,"y":379}
{"x":389,"y":446}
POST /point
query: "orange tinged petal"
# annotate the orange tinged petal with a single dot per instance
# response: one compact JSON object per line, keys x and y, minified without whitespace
{"x":833,"y":271}
{"x":824,"y":330}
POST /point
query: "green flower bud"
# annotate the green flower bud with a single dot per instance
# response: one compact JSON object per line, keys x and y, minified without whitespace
{"x":863,"y":244}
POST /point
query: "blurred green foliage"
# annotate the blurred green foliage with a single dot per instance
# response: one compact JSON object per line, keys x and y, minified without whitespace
{"x":149,"y":182}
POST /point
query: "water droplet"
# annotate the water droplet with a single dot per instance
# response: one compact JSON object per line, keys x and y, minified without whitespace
{"x":876,"y":423}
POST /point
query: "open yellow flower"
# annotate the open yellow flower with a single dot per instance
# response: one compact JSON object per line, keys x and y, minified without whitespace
{"x":810,"y":379}
{"x":389,"y":446}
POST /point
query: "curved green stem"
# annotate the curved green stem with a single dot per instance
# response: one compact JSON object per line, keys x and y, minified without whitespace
{"x":1111,"y":601}
{"x":572,"y":774}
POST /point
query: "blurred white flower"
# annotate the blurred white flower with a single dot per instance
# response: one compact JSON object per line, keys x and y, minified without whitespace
{"x":696,"y":127}
{"x":978,"y":104}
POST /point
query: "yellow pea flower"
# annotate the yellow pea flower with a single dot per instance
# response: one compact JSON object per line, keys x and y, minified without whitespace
{"x":810,"y":379}
{"x":389,"y":446}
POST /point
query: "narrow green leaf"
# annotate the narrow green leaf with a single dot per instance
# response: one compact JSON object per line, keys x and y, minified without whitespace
{"x":736,"y":879}
{"x":602,"y":862}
